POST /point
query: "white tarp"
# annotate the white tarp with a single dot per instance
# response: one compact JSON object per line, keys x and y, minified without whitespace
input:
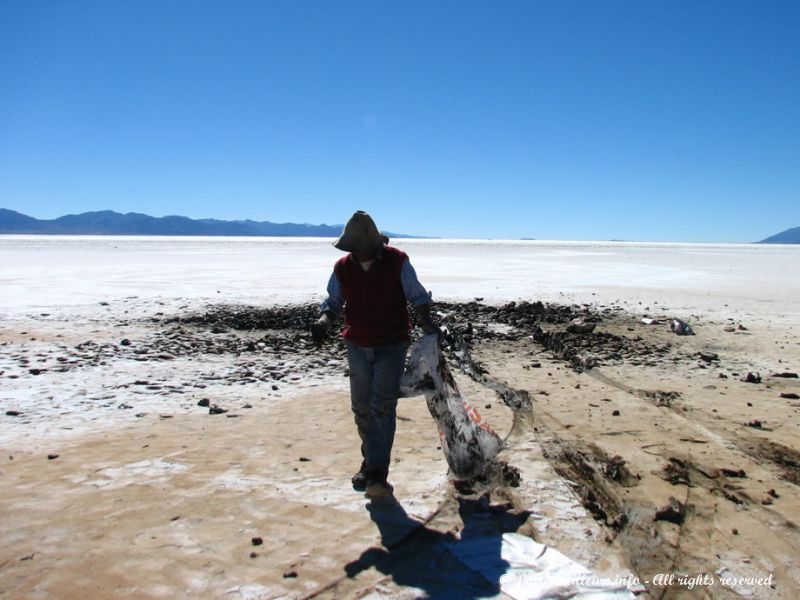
{"x":533,"y":571}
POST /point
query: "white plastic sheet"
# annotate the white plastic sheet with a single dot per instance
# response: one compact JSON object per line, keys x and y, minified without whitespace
{"x":533,"y":571}
{"x":468,"y":442}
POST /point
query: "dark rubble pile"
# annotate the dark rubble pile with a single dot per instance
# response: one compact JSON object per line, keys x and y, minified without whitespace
{"x":283,"y":329}
{"x":522,"y":315}
{"x":263,"y":341}
{"x":61,"y":358}
{"x":547,"y":325}
{"x":584,"y":351}
{"x":255,"y":336}
{"x":255,"y":344}
{"x":253,"y":318}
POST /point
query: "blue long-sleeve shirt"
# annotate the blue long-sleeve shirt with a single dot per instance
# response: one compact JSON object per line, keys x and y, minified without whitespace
{"x":412,"y":288}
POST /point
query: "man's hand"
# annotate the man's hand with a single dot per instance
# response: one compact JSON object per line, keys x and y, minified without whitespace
{"x":320,"y":328}
{"x":423,"y":312}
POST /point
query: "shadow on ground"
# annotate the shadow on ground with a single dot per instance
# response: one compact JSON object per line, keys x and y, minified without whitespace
{"x":417,"y":556}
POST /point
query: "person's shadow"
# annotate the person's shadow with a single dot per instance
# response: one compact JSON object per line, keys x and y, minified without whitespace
{"x":417,"y":556}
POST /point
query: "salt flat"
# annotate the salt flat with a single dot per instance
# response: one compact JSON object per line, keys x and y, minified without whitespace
{"x":45,"y":271}
{"x":149,"y":495}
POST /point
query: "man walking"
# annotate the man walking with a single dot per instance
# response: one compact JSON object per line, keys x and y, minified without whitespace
{"x":373,"y":285}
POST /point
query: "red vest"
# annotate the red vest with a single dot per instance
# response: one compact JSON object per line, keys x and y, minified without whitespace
{"x":375,"y":309}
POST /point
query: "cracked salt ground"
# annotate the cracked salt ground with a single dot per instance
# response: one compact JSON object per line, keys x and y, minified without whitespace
{"x":94,"y":374}
{"x":144,"y":472}
{"x":420,"y":499}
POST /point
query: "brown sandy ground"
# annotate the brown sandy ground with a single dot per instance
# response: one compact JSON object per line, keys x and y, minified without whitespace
{"x":117,"y":484}
{"x":661,"y":425}
{"x":169,"y":507}
{"x":165,"y":500}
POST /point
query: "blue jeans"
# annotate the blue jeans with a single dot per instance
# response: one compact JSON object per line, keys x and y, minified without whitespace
{"x":374,"y":387}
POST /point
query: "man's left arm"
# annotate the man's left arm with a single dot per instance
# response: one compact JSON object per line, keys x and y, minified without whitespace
{"x":418,"y":297}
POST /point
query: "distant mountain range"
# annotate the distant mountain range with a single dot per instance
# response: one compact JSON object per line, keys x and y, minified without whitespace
{"x":108,"y":222}
{"x":790,"y":236}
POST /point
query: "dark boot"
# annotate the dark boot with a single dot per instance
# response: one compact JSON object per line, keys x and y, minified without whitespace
{"x":359,"y":480}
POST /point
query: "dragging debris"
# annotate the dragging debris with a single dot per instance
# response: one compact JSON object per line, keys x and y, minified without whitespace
{"x":468,"y":442}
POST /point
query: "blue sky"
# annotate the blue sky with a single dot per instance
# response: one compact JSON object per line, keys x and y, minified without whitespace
{"x":668,"y":120}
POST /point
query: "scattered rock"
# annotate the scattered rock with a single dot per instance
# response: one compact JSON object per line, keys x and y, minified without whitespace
{"x":13,"y":413}
{"x":681,"y":327}
{"x":304,"y":459}
{"x":752,"y":378}
{"x":217,"y":410}
{"x":733,"y":472}
{"x":660,"y":397}
{"x":125,"y":342}
{"x":790,"y":396}
{"x":785,"y":375}
{"x":755,"y":423}
{"x":52,"y":456}
{"x":510,"y":475}
{"x":290,"y":574}
{"x":204,"y":402}
{"x":580,"y":326}
{"x":256,"y":541}
{"x":708,"y":356}
{"x":615,"y":413}
{"x":616,"y":470}
{"x":674,"y":512}
{"x":676,"y":472}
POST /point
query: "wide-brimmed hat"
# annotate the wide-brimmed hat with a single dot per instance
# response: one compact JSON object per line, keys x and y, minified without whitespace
{"x":360,"y":234}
